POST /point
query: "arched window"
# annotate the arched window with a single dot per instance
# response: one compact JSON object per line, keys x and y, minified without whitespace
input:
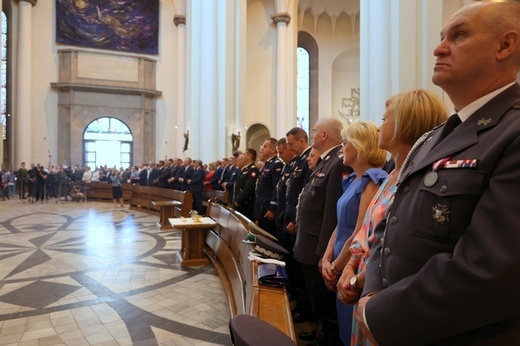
{"x":307,"y":81}
{"x":107,"y":141}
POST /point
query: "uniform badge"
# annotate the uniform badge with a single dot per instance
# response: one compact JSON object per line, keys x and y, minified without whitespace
{"x":441,"y":213}
{"x":484,"y":122}
{"x":431,"y":178}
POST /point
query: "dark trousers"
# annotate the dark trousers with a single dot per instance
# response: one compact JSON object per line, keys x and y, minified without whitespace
{"x":197,"y":202}
{"x":40,"y":191}
{"x":22,"y":186}
{"x":323,"y":305}
{"x":267,"y":225}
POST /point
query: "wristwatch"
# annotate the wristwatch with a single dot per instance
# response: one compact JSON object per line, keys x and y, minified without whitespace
{"x":353,"y":281}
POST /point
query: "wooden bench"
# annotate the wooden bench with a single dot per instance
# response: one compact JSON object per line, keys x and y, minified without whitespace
{"x":214,"y":195}
{"x":103,"y":191}
{"x":239,"y":276}
{"x":165,"y":203}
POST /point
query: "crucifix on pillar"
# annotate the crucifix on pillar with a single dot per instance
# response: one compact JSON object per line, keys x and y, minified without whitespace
{"x":350,"y":106}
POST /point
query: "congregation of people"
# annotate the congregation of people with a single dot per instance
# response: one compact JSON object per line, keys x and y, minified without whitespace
{"x":398,"y":234}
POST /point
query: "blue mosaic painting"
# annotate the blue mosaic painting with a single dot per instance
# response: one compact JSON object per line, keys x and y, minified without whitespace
{"x":123,"y":25}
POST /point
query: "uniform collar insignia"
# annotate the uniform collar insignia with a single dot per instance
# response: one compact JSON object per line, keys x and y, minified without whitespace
{"x":484,"y":122}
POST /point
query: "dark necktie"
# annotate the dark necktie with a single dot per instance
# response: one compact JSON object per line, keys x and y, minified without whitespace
{"x":450,"y":125}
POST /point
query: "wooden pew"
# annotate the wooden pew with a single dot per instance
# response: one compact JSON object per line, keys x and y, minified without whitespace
{"x":143,"y":196}
{"x":214,"y":195}
{"x":103,"y":191}
{"x":152,"y":200}
{"x":238,"y":275}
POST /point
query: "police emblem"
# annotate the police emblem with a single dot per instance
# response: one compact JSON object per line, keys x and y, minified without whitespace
{"x":441,"y":213}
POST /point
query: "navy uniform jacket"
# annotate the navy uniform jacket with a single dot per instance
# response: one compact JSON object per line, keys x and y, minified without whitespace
{"x":185,"y":173}
{"x":227,"y":172}
{"x":449,"y":271}
{"x":143,"y":177}
{"x":266,"y":187}
{"x":163,"y":177}
{"x":197,"y":180}
{"x":299,"y":177}
{"x":177,"y":185}
{"x":216,"y":178}
{"x":281,"y":188}
{"x":153,"y":176}
{"x":244,"y":190}
{"x":231,"y":175}
{"x":317,"y":208}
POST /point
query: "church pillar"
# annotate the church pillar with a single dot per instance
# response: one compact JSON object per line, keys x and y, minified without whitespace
{"x":212,"y":74}
{"x":23,"y":97}
{"x":286,"y":42}
{"x":281,"y":20}
{"x":180,"y":116}
{"x":397,"y":39}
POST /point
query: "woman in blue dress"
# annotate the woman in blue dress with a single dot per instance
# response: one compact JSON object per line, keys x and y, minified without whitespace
{"x":361,"y":152}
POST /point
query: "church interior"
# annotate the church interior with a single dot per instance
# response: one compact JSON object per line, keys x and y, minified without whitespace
{"x":212,"y":77}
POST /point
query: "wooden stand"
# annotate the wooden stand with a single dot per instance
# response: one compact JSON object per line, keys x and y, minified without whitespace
{"x":193,"y":237}
{"x":166,"y":209}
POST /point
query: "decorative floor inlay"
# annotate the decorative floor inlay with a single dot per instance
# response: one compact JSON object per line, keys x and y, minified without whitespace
{"x":90,"y":274}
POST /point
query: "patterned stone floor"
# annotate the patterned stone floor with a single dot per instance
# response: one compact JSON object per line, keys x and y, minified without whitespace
{"x":90,"y":274}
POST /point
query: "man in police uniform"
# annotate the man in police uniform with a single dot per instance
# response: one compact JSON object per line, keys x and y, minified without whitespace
{"x":269,"y":175}
{"x":298,"y":142}
{"x":289,"y":159}
{"x":316,"y":221}
{"x":245,"y":183}
{"x":230,"y":175}
{"x":447,"y":271}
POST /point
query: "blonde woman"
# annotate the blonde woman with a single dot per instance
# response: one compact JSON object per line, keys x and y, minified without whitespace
{"x":362,"y":153}
{"x":408,"y":116}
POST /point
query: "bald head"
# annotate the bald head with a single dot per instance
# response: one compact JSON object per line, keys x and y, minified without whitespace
{"x":326,"y":134}
{"x":481,"y":34}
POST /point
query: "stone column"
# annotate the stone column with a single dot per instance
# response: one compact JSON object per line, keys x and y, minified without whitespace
{"x":397,"y":39}
{"x":180,"y":116}
{"x":23,"y":97}
{"x":211,"y":65}
{"x":281,"y":20}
